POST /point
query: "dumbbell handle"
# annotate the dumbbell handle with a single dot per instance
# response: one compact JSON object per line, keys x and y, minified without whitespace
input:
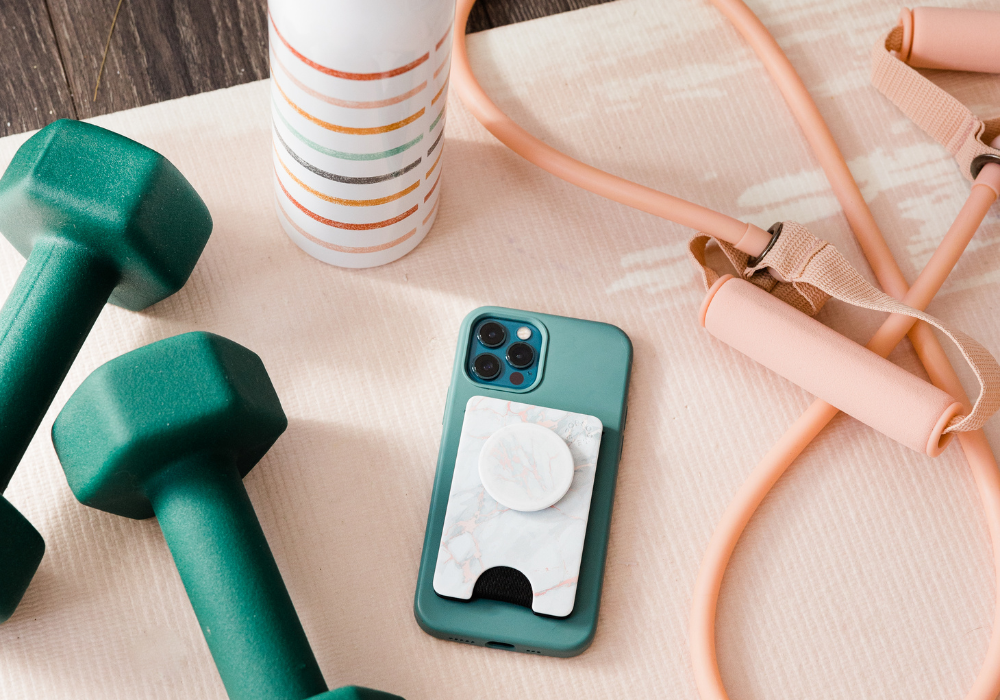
{"x":233,"y":582}
{"x":55,"y":302}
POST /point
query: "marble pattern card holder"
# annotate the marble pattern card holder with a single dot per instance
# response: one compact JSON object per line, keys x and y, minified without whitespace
{"x":545,"y":545}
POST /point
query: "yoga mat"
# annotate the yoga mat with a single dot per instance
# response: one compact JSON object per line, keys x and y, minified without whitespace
{"x":866,"y":573}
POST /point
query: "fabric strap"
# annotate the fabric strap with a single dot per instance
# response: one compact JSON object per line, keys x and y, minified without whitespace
{"x":941,"y":116}
{"x":805,"y":272}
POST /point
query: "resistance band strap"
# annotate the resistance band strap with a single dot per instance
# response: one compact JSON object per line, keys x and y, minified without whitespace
{"x":805,"y":272}
{"x":941,"y":116}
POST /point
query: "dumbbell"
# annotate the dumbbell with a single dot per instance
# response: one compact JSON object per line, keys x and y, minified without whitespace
{"x":99,"y":217}
{"x":170,"y":430}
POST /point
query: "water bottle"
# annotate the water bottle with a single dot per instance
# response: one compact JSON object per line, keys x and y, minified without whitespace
{"x":358,"y":94}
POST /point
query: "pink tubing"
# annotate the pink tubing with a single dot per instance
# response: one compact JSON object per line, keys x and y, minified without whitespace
{"x":747,"y":237}
{"x":808,"y":426}
{"x":784,"y":452}
{"x":929,"y":350}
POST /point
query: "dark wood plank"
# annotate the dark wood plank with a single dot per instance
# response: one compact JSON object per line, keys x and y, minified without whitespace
{"x":160,"y":50}
{"x":33,"y":88}
{"x":487,"y":14}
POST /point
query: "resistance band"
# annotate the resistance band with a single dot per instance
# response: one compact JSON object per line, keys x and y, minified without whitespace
{"x":754,"y":242}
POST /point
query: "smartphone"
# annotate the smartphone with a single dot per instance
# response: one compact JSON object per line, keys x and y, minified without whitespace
{"x":494,"y":576}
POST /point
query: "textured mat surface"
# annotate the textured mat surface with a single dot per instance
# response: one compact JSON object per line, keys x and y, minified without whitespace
{"x":867,"y":572}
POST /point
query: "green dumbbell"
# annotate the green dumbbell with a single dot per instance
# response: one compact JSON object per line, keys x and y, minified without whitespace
{"x":170,"y":430}
{"x":99,"y":217}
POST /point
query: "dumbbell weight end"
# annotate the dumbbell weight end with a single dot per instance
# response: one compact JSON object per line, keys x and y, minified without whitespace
{"x":43,"y":324}
{"x":21,"y":550}
{"x":233,"y":582}
{"x":170,"y":430}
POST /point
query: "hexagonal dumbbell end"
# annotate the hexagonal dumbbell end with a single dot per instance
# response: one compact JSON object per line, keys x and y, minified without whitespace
{"x":21,"y":549}
{"x":97,"y":215}
{"x":170,"y":429}
{"x":143,"y":416}
{"x":124,"y":203}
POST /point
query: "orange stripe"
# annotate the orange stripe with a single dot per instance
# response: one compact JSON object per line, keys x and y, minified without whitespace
{"x":341,"y":248}
{"x":364,"y":131}
{"x":443,"y":86}
{"x":341,"y":74}
{"x":347,"y":202}
{"x":431,"y":212}
{"x":432,"y":188}
{"x":347,"y":103}
{"x":435,"y":164}
{"x":339,"y":224}
{"x":443,"y":63}
{"x":438,"y":46}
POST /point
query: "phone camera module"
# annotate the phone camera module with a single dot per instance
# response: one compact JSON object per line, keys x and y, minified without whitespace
{"x":520,"y":355}
{"x":492,"y":334}
{"x":487,"y":366}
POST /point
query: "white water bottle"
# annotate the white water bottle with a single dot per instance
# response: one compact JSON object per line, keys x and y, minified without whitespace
{"x":358,"y":93}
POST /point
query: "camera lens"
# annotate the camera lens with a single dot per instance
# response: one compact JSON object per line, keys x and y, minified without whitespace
{"x":492,"y":334}
{"x":487,"y":366}
{"x":520,"y":355}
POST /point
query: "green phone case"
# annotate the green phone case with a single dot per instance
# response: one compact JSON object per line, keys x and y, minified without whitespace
{"x":585,"y":369}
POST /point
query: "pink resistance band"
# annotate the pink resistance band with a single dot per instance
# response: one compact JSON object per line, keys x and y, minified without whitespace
{"x":746,"y":238}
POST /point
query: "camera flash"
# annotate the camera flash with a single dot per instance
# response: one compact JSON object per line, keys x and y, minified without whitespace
{"x":523,"y":332}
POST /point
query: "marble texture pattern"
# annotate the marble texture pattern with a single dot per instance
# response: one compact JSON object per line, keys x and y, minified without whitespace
{"x":526,"y":467}
{"x":545,"y":545}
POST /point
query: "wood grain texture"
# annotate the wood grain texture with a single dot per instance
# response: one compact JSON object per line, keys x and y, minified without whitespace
{"x":487,"y":14}
{"x":33,"y":88}
{"x":160,"y":50}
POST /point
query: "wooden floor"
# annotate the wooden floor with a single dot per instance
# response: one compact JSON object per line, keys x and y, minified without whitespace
{"x":160,"y":50}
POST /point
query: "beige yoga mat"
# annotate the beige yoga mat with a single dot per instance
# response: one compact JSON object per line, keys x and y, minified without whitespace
{"x":867,"y":572}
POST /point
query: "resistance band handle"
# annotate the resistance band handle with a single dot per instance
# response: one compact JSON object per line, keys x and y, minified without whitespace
{"x":843,"y":373}
{"x":803,"y":271}
{"x":951,"y":39}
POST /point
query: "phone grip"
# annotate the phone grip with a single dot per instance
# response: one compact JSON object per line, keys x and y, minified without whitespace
{"x":951,"y":39}
{"x":843,"y":373}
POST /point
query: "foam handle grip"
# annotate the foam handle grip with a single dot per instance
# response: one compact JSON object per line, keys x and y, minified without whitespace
{"x":843,"y":373}
{"x":951,"y":39}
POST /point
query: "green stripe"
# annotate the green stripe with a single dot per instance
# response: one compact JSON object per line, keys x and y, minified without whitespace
{"x":340,"y":154}
{"x":436,"y":121}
